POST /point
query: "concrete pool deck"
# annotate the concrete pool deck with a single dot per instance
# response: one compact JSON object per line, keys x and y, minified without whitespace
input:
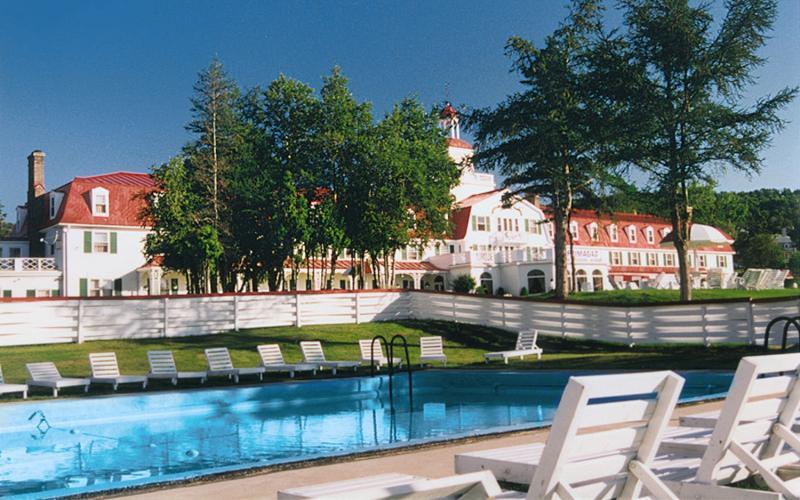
{"x":432,"y":461}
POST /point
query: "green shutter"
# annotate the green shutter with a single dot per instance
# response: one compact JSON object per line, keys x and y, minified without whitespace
{"x":113,"y":242}
{"x":55,"y":293}
{"x":117,"y":283}
{"x":527,"y":226}
{"x":6,"y":294}
{"x":30,"y":293}
{"x":84,"y":287}
{"x":87,"y":242}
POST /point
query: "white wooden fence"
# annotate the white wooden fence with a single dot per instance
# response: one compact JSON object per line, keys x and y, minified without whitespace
{"x":709,"y":323}
{"x":43,"y":321}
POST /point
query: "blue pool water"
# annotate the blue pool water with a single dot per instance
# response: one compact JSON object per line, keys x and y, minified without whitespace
{"x":84,"y":445}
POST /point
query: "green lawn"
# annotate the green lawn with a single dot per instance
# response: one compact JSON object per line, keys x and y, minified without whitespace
{"x":625,"y":297}
{"x":464,"y":346}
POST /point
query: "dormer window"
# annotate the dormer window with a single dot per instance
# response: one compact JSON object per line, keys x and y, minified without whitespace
{"x":100,"y":202}
{"x":593,"y":234}
{"x":613,"y":232}
{"x":54,"y":202}
{"x":665,"y":231}
{"x":650,"y":234}
{"x":573,"y":230}
{"x":632,"y":234}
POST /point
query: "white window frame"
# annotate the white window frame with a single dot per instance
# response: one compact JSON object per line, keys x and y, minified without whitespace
{"x":669,"y":260}
{"x":652,"y":259}
{"x":594,"y":234}
{"x":631,"y":259}
{"x":702,"y":261}
{"x":613,"y":232}
{"x":574,"y":230}
{"x":615,"y":258}
{"x":722,"y":261}
{"x":96,"y":194}
{"x":95,"y":241}
{"x":650,"y":234}
{"x":631,"y":232}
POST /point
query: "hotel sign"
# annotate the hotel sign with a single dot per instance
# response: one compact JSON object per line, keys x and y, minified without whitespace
{"x":588,"y":256}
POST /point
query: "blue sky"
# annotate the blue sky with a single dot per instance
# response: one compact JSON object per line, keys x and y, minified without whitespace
{"x":104,"y":85}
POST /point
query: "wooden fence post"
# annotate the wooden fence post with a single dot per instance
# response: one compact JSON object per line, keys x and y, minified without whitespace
{"x":165,"y":305}
{"x":455,"y":316}
{"x":751,"y":322}
{"x":704,"y":314}
{"x":563,"y":320}
{"x":358,"y":307}
{"x":297,"y":320}
{"x":628,"y":328}
{"x":503,"y":301}
{"x":79,"y":338}
{"x":236,"y":313}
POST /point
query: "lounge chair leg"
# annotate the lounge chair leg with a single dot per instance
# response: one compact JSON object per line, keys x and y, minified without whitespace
{"x":236,"y":378}
{"x":144,"y":385}
{"x":291,"y":374}
{"x":175,"y":381}
{"x":55,"y":392}
{"x":334,"y":371}
{"x":24,"y":394}
{"x":114,"y":387}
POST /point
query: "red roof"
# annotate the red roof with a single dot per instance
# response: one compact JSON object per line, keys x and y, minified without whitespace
{"x":584,"y":218}
{"x":126,"y":192}
{"x":452,"y":142}
{"x":448,"y":111}
{"x":415,"y":266}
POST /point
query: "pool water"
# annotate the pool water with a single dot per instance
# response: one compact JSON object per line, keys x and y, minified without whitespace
{"x":78,"y":446}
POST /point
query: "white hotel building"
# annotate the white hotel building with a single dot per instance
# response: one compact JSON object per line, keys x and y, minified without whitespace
{"x":85,"y":238}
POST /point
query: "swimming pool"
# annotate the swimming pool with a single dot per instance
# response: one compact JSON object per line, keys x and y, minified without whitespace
{"x":55,"y":448}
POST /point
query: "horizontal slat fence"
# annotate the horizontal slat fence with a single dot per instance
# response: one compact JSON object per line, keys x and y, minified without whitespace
{"x":44,"y":321}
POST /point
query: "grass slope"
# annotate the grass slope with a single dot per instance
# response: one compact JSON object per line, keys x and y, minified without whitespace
{"x":464,"y":346}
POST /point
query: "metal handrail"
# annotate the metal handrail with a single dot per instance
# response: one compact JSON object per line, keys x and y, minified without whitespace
{"x":389,"y":345}
{"x":789,"y":322}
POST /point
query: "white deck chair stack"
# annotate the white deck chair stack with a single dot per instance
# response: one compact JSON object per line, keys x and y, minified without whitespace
{"x":467,"y":486}
{"x":162,"y":366}
{"x":105,"y":370}
{"x":220,"y":364}
{"x":752,"y":435}
{"x":46,"y":375}
{"x":314,"y":355}
{"x":526,"y":346}
{"x":272,"y":361}
{"x":431,"y":349}
{"x":12,"y":388}
{"x":604,"y":438}
{"x":366,"y":346}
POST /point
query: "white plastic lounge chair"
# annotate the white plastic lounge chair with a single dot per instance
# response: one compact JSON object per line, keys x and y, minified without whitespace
{"x":526,"y":346}
{"x":366,"y":347}
{"x":272,"y":361}
{"x":162,"y":366}
{"x":46,"y":375}
{"x":467,"y":486}
{"x":106,"y":371}
{"x":604,"y":437}
{"x":313,"y":354}
{"x":12,"y":388}
{"x":221,"y":365}
{"x":752,"y":435}
{"x":431,"y":350}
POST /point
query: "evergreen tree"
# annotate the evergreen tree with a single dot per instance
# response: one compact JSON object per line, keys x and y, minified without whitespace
{"x":5,"y":226}
{"x":685,"y":96}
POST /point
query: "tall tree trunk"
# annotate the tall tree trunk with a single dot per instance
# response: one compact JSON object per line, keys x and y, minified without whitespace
{"x":681,"y":227}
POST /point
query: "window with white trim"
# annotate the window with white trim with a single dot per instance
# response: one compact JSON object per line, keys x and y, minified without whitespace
{"x":480,"y":223}
{"x":593,"y":233}
{"x":573,"y":229}
{"x":633,"y":258}
{"x":650,"y":234}
{"x":669,"y":259}
{"x":631,"y":234}
{"x":722,"y":261}
{"x":613,"y":233}
{"x":100,"y":202}
{"x":615,"y":258}
{"x":100,"y":242}
{"x":701,"y":260}
{"x":652,"y":259}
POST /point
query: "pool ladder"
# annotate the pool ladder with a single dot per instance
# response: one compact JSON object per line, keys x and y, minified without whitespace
{"x":789,"y":322}
{"x":389,"y":345}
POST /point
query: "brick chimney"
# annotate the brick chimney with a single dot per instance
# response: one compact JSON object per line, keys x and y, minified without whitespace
{"x":35,"y":201}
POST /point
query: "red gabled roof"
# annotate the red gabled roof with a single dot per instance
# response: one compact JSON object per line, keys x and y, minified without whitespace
{"x":126,"y":192}
{"x":584,"y":218}
{"x":452,"y":142}
{"x":415,"y":266}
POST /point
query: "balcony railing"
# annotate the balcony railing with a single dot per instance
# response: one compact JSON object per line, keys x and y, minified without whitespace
{"x":477,"y":257}
{"x":28,"y":264}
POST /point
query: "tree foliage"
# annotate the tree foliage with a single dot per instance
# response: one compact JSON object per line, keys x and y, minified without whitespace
{"x":687,"y":114}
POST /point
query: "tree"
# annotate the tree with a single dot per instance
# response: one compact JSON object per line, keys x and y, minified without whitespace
{"x":211,"y":156}
{"x":179,"y":235}
{"x":759,"y":250}
{"x":551,"y":138}
{"x":793,"y":263}
{"x":685,"y":97}
{"x":5,"y":226}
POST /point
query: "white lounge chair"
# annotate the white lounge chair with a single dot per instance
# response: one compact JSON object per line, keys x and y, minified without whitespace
{"x":313,"y":355}
{"x":467,"y":486}
{"x":431,"y":349}
{"x":220,"y":365}
{"x":46,"y":375}
{"x":162,"y":366}
{"x":272,"y":361}
{"x":106,"y":371}
{"x":366,"y":347}
{"x":752,"y":435}
{"x":604,"y":438}
{"x":526,"y":346}
{"x":12,"y":388}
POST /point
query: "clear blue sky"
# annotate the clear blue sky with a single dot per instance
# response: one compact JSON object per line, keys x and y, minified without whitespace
{"x":104,"y":85}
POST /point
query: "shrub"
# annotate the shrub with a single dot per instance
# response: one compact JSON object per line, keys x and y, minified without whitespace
{"x":523,"y":292}
{"x":464,"y":283}
{"x":481,"y":290}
